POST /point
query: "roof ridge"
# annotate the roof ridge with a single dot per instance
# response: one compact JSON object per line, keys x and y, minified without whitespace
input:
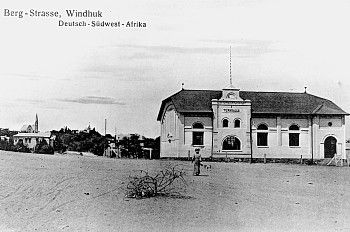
{"x":172,"y":95}
{"x":274,"y":92}
{"x":317,"y":108}
{"x":319,"y":97}
{"x":243,"y":91}
{"x":200,"y":90}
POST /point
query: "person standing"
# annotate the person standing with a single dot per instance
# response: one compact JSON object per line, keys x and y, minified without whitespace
{"x":197,"y":159}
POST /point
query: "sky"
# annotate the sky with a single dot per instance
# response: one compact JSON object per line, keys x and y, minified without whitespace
{"x":76,"y":76}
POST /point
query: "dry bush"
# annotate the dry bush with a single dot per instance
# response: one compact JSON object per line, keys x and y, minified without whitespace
{"x":167,"y":182}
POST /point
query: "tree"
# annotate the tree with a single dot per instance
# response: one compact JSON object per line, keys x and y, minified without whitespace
{"x":93,"y":141}
{"x":20,"y":147}
{"x":4,"y":145}
{"x":130,"y":147}
{"x":43,"y":147}
{"x":58,"y":145}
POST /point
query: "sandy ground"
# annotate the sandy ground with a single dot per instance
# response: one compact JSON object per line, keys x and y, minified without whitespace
{"x":77,"y":193}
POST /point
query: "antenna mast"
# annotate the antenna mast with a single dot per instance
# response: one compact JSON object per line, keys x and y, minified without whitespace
{"x":230,"y":68}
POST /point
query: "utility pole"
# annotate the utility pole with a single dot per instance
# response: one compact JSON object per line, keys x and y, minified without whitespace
{"x":116,"y":142}
{"x":104,"y":146}
{"x":115,"y":135}
{"x":105,"y":125}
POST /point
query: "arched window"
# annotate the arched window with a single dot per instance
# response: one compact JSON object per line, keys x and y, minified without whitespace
{"x":231,"y":143}
{"x":262,"y":134}
{"x":262,"y":127}
{"x":294,"y":127}
{"x":197,"y":125}
{"x":294,"y":135}
{"x":237,"y":123}
{"x":198,"y":134}
{"x":225,"y":122}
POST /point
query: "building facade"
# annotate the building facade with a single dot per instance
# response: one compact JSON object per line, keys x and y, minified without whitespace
{"x":246,"y":124}
{"x":32,"y":139}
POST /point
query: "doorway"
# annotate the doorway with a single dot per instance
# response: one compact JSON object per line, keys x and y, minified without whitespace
{"x":330,"y":147}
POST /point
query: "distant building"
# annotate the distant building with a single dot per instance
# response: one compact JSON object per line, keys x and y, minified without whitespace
{"x":87,"y":130}
{"x":31,"y":128}
{"x":27,"y":129}
{"x":4,"y":138}
{"x":32,"y":139}
{"x":6,"y":134}
{"x":30,"y":135}
{"x":121,"y":136}
{"x":240,"y":124}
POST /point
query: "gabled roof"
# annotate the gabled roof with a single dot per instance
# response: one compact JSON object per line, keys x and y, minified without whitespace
{"x":291,"y":103}
{"x":199,"y":101}
{"x":26,"y":127}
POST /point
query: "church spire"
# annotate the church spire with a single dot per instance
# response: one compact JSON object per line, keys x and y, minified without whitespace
{"x":36,"y":124}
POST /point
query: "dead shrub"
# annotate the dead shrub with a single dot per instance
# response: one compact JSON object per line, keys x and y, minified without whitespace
{"x":166,"y":182}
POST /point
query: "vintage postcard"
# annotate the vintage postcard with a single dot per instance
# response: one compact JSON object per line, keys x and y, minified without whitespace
{"x":159,"y":115}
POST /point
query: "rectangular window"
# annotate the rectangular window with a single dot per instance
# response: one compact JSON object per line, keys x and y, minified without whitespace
{"x":262,"y":139}
{"x":293,"y":139}
{"x":197,"y":138}
{"x":29,"y":140}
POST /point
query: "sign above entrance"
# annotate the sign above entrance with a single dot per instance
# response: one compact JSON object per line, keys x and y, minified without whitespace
{"x":230,"y":110}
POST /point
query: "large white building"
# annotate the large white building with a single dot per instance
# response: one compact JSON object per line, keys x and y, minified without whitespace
{"x":247,"y":124}
{"x":32,"y":139}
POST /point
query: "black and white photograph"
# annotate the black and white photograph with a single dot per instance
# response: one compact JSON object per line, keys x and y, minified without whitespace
{"x":186,"y":115}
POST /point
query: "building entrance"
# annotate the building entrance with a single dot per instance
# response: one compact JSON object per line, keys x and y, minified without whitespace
{"x":330,"y":147}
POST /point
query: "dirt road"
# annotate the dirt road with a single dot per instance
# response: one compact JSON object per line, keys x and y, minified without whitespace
{"x":77,"y":193}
